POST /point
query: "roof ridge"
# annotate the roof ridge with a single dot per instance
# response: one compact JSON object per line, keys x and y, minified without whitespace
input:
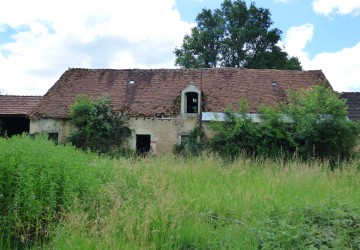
{"x":23,"y":95}
{"x":189,"y":69}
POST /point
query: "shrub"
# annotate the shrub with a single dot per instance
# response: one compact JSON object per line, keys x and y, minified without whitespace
{"x":322,"y":128}
{"x":313,"y":123}
{"x":100,"y":128}
{"x":240,"y":134}
{"x":192,"y":145}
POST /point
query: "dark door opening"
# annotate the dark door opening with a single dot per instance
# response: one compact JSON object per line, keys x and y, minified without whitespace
{"x":143,"y":144}
{"x":14,"y":125}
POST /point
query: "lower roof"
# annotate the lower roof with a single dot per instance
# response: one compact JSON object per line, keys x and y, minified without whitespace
{"x":353,"y":102}
{"x":13,"y":105}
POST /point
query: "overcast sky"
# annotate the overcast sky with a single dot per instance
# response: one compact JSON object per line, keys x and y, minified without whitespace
{"x":40,"y":39}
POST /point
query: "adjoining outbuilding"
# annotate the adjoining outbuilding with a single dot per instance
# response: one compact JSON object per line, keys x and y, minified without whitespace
{"x":353,"y":102}
{"x":14,"y":113}
{"x":164,"y":105}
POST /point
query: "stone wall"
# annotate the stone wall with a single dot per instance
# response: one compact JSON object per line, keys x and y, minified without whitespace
{"x":60,"y":126}
{"x":164,"y":132}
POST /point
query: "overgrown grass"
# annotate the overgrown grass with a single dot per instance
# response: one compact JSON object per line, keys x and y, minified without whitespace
{"x":172,"y":203}
{"x":39,"y":182}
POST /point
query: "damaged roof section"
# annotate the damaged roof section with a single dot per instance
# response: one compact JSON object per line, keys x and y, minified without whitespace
{"x":147,"y":92}
{"x":12,"y":105}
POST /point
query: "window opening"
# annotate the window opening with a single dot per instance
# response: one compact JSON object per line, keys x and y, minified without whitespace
{"x":143,"y":144}
{"x":53,"y":136}
{"x":192,"y":101}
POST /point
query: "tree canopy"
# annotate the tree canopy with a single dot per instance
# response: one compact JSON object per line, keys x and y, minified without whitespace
{"x":234,"y":36}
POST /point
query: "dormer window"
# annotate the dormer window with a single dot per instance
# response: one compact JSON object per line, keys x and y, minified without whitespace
{"x":190,"y":100}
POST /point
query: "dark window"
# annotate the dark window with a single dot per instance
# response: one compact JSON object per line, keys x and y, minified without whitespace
{"x":54,"y":137}
{"x":143,"y":144}
{"x":192,"y":101}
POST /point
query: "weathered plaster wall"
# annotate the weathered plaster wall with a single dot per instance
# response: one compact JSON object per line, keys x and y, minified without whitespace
{"x":60,"y":126}
{"x":164,"y":132}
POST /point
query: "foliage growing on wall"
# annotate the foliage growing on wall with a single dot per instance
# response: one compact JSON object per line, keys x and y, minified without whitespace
{"x":193,"y":144}
{"x":312,"y":124}
{"x":100,"y":128}
{"x":239,"y":134}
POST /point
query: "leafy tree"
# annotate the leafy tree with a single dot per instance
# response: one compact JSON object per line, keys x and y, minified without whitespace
{"x":234,"y":36}
{"x":100,"y":129}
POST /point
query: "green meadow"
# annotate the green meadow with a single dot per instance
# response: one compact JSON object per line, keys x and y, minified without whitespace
{"x":58,"y":197}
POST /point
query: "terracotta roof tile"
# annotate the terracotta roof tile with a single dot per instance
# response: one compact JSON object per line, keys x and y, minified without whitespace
{"x":17,"y":105}
{"x":154,"y":90}
{"x":353,"y":102}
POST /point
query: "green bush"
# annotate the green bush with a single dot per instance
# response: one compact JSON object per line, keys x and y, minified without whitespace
{"x":193,"y":145}
{"x":239,"y":134}
{"x":321,"y":126}
{"x":39,"y":181}
{"x":313,"y":124}
{"x":100,"y":128}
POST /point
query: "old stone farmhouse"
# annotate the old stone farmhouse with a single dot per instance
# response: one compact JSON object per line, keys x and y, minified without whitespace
{"x":165,"y":104}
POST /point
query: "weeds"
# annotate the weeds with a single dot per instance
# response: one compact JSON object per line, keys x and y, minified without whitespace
{"x":39,"y":182}
{"x":57,"y":197}
{"x":331,"y":224}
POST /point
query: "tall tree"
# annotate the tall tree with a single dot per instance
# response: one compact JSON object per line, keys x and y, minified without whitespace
{"x":234,"y":36}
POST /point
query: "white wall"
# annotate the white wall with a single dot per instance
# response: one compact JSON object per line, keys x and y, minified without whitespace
{"x":60,"y":126}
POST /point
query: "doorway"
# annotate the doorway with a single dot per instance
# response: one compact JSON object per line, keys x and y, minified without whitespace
{"x":143,"y":144}
{"x":14,"y":125}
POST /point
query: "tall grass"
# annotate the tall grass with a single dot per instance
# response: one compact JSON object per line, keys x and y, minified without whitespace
{"x":167,"y":202}
{"x":199,"y":203}
{"x":39,"y":182}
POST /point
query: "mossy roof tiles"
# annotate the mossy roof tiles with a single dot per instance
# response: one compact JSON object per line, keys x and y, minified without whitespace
{"x":154,"y":91}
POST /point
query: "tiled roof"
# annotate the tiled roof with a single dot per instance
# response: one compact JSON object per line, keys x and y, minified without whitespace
{"x":353,"y":102}
{"x":145,"y":92}
{"x":17,"y":105}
